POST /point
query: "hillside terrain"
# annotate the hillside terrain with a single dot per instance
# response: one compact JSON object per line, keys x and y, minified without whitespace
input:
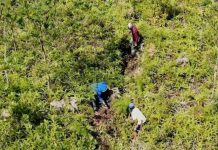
{"x":52,"y":51}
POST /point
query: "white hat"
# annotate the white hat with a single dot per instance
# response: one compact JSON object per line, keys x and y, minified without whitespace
{"x":129,"y":25}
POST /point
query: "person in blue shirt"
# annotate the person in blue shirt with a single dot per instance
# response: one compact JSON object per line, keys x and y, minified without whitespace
{"x":102,"y":95}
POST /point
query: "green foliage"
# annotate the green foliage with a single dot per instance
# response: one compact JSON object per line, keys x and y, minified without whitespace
{"x":50,"y":50}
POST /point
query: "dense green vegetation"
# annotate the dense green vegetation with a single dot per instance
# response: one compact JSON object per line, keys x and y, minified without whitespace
{"x":51,"y":50}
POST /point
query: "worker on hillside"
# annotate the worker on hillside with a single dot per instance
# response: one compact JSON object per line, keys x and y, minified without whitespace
{"x":102,"y":95}
{"x":136,"y":38}
{"x":136,"y":114}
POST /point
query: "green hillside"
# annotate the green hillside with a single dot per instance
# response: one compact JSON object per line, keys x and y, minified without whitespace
{"x":55,"y":49}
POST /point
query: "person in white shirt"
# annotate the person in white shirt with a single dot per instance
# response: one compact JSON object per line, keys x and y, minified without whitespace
{"x":136,"y":114}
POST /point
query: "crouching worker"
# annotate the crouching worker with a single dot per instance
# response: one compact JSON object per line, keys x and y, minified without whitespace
{"x":102,"y":95}
{"x":136,"y":114}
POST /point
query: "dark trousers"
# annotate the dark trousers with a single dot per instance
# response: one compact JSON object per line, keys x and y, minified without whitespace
{"x":138,"y":128}
{"x":105,"y":96}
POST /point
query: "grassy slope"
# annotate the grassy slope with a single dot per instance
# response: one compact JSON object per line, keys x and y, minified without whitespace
{"x":81,"y":41}
{"x":177,"y":100}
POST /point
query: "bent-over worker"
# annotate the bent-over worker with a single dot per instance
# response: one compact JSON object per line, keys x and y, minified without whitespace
{"x":102,"y":94}
{"x":136,"y":114}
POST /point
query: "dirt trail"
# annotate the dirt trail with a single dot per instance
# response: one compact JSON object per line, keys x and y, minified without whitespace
{"x":101,"y":118}
{"x":101,"y":121}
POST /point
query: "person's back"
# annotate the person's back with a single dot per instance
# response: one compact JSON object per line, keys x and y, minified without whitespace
{"x":136,"y":114}
{"x":135,"y":35}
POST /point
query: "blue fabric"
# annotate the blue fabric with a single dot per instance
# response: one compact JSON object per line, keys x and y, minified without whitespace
{"x":99,"y":88}
{"x":131,"y":105}
{"x":100,"y":98}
